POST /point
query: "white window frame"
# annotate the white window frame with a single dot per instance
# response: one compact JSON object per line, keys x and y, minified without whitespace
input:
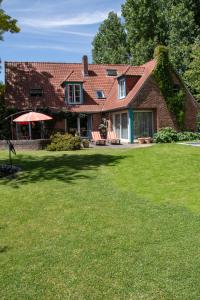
{"x":142,"y":111}
{"x":74,"y":93}
{"x":128,"y":122}
{"x":122,"y":88}
{"x":102,"y":93}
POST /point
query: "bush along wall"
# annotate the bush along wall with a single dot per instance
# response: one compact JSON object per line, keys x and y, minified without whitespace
{"x":175,"y":99}
{"x":169,"y":135}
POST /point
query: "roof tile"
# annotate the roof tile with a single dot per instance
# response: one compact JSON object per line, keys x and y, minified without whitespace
{"x":22,"y":76}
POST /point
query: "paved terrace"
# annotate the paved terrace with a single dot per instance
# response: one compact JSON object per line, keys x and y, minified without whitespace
{"x":122,"y":146}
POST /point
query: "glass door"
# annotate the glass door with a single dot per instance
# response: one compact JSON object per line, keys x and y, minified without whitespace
{"x":143,"y":124}
{"x":121,"y":125}
{"x":117,"y":125}
{"x":124,"y":126}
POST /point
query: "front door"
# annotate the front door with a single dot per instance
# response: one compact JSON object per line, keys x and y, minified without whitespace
{"x":143,"y":124}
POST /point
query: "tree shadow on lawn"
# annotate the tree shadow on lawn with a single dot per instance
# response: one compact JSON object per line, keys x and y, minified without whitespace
{"x":67,"y":167}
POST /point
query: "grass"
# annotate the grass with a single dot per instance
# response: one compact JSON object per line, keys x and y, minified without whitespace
{"x":102,"y":224}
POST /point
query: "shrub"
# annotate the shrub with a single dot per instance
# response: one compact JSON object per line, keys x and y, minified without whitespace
{"x":165,"y":135}
{"x":64,"y":142}
{"x":169,"y":135}
{"x":188,"y":136}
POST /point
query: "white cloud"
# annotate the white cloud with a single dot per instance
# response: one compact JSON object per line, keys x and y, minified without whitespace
{"x":49,"y":47}
{"x":81,"y":19}
{"x":46,"y":32}
{"x":79,"y":33}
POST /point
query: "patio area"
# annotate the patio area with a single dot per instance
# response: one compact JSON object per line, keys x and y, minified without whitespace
{"x":122,"y":146}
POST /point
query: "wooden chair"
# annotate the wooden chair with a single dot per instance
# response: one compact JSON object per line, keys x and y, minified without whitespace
{"x":97,"y":138}
{"x":112,"y":138}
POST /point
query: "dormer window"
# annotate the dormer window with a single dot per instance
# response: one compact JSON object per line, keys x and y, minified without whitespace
{"x":122,"y":88}
{"x":74,"y":93}
{"x":111,"y":72}
{"x":100,"y":94}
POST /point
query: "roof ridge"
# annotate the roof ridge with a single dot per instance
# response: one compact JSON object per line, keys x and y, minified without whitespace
{"x":41,"y":62}
{"x":73,"y":63}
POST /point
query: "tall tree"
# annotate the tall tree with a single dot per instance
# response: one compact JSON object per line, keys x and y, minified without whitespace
{"x":109,"y":44}
{"x":194,"y":5}
{"x":192,"y":75}
{"x":7,"y":23}
{"x":151,"y":22}
{"x":181,"y":35}
{"x":141,"y":24}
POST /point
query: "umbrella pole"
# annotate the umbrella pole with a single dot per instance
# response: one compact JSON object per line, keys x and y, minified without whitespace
{"x":12,"y":127}
{"x":30,"y":131}
{"x":17,"y":132}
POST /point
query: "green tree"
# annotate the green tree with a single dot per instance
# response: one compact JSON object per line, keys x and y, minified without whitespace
{"x":194,"y":5}
{"x":152,"y":22}
{"x":109,"y":44}
{"x":141,"y":24}
{"x":181,"y":35}
{"x":2,"y":109}
{"x":7,"y":23}
{"x":192,"y":75}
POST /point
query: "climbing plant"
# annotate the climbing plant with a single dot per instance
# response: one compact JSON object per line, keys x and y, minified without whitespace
{"x":175,"y":99}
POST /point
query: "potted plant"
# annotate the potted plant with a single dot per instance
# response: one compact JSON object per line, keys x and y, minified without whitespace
{"x":148,"y":140}
{"x":86,"y":143}
{"x":103,"y":128}
{"x":141,"y":140}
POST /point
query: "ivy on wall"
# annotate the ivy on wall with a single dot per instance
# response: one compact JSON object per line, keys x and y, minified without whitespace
{"x":175,"y":99}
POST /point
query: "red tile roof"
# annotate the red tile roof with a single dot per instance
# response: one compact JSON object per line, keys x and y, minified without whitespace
{"x":23,"y":76}
{"x":113,"y":102}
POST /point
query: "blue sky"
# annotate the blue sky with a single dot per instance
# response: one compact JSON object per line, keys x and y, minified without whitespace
{"x":57,"y":31}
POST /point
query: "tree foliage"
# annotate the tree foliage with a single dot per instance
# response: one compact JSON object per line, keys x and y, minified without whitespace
{"x":141,"y":22}
{"x":3,"y":125}
{"x":148,"y":23}
{"x":181,"y":35}
{"x":152,"y":22}
{"x":192,"y":75}
{"x":7,"y":23}
{"x":109,"y":44}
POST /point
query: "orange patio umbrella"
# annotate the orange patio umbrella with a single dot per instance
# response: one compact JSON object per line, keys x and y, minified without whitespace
{"x":31,"y":117}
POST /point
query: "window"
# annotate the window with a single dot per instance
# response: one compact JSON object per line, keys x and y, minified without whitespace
{"x":100,"y":94}
{"x":176,"y":88}
{"x":36,"y":92}
{"x":121,"y":125}
{"x":74,"y":93}
{"x":122,"y":89}
{"x":111,"y":72}
{"x":143,"y":124}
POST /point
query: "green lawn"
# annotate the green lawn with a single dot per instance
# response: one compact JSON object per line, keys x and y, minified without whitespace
{"x":102,"y":224}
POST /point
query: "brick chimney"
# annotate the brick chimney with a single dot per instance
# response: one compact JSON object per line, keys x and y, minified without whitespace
{"x":85,"y":65}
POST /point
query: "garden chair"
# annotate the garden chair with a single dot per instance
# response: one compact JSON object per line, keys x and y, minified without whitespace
{"x":112,"y":138}
{"x":96,"y":138}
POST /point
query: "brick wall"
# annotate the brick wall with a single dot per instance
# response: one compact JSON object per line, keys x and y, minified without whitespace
{"x":191,"y":111}
{"x":60,"y":125}
{"x":150,"y":97}
{"x":96,"y":121}
{"x":131,"y":82}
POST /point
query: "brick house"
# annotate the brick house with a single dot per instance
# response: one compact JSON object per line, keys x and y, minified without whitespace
{"x":127,"y":96}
